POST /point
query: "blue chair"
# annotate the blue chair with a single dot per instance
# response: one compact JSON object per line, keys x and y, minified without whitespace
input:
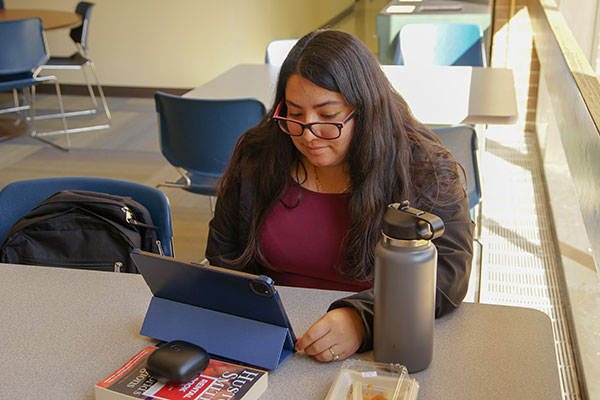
{"x":440,"y":43}
{"x":80,"y":60}
{"x":461,"y":140}
{"x":18,"y":198}
{"x":23,"y":51}
{"x":1,"y":4}
{"x":277,"y":51}
{"x":197,"y":136}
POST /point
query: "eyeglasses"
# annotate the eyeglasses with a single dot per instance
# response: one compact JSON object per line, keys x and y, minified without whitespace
{"x":324,"y":130}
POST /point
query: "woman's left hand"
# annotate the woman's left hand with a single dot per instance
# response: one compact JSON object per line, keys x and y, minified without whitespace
{"x":335,"y":336}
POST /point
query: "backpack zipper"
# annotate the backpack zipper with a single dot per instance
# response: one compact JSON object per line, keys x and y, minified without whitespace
{"x":130,"y":219}
{"x":128,"y":214}
{"x":100,"y":266}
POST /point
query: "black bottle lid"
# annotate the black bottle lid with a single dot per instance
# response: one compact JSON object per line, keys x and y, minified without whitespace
{"x":403,"y":222}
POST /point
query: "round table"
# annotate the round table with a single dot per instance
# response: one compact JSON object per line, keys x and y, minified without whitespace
{"x":51,"y":19}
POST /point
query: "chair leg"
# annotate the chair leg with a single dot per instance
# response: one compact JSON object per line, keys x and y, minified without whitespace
{"x":65,"y":131}
{"x":16,"y":101}
{"x":90,"y":89}
{"x":31,"y":102}
{"x":212,"y":205}
{"x":477,"y":218}
{"x":480,"y":272}
{"x":62,"y":112}
{"x":77,"y":113}
{"x":183,"y":174}
{"x":100,"y":91}
{"x":477,"y":238}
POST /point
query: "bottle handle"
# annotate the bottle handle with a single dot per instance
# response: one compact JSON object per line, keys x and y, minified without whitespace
{"x":429,"y":226}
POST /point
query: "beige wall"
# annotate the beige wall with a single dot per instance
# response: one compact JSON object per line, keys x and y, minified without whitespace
{"x":183,"y":43}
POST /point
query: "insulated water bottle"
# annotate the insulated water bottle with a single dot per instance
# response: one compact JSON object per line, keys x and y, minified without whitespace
{"x":405,"y":282}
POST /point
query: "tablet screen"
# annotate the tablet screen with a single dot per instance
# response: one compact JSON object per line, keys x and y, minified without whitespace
{"x":219,"y":289}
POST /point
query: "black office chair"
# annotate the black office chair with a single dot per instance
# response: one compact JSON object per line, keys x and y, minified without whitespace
{"x":81,"y":60}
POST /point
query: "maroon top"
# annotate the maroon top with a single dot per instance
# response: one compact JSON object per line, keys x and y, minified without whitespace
{"x":304,"y":244}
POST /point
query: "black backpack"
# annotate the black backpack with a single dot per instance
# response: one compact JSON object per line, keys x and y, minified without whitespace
{"x":81,"y":229}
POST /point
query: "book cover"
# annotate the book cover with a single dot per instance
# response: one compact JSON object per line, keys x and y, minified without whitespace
{"x":221,"y":380}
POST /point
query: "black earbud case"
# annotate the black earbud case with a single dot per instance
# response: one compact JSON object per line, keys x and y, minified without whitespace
{"x":177,"y":362}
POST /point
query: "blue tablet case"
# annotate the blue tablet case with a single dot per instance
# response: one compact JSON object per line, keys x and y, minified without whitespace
{"x":216,"y":309}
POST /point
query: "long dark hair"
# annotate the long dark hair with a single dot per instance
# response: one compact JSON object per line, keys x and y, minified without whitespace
{"x":391,"y":157}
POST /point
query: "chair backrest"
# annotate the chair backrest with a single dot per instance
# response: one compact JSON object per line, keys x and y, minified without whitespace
{"x":199,"y":135}
{"x":18,"y":198}
{"x":79,"y":34}
{"x":1,"y":4}
{"x":278,"y":50}
{"x":440,"y":44}
{"x":462,"y":142}
{"x":22,"y":46}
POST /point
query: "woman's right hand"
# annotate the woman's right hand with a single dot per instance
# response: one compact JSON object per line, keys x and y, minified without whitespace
{"x":335,"y":336}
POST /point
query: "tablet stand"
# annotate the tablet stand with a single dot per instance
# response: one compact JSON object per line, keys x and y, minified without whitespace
{"x":225,"y":335}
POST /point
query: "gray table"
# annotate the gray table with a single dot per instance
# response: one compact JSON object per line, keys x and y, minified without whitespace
{"x":437,"y":95}
{"x":64,"y":330}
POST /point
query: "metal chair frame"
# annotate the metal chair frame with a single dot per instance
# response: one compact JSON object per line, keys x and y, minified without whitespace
{"x":37,"y":40}
{"x":81,"y":60}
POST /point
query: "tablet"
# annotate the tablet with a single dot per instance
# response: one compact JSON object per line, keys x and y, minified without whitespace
{"x":232,"y":292}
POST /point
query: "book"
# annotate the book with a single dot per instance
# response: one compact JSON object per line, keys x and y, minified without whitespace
{"x":221,"y":380}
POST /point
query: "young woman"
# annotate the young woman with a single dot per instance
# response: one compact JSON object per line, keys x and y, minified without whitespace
{"x":303,"y":197}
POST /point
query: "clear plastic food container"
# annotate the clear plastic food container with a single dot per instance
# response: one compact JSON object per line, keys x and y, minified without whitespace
{"x":363,"y":380}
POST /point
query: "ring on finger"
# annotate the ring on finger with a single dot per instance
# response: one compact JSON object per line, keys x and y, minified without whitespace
{"x":334,"y":356}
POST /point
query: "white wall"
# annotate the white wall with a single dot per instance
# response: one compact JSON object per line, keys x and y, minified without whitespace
{"x":182,"y":43}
